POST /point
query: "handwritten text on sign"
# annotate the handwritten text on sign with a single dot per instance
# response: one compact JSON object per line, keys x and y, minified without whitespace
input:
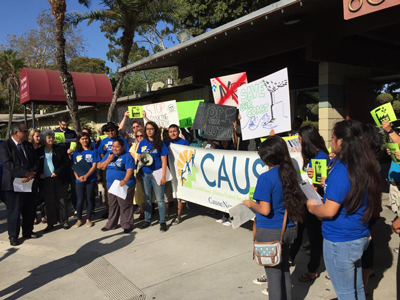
{"x":164,"y":113}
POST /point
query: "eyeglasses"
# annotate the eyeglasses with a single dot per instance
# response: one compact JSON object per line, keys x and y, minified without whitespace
{"x":138,"y":136}
{"x":135,"y":127}
{"x":150,"y":128}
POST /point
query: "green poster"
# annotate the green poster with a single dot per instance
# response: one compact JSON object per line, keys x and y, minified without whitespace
{"x":329,"y":150}
{"x":382,"y":113}
{"x":59,"y":137}
{"x":320,"y":170}
{"x":135,"y":112}
{"x":102,"y":137}
{"x":251,"y":193}
{"x":187,"y":111}
{"x":393,"y":147}
{"x":263,"y":139}
{"x":72,"y":146}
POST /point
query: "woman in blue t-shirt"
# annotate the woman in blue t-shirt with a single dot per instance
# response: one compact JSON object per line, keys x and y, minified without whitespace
{"x":352,"y":193}
{"x":277,"y":191}
{"x":85,"y":184}
{"x":312,"y":147}
{"x":119,"y":165}
{"x":153,"y":145}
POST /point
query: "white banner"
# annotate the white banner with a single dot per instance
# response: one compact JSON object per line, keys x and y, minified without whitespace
{"x":218,"y":179}
{"x":264,"y":105}
{"x":163,"y":113}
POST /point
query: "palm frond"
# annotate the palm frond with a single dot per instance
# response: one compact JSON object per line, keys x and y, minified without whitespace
{"x":74,"y":18}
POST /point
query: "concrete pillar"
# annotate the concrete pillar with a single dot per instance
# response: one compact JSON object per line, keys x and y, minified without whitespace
{"x":333,"y":80}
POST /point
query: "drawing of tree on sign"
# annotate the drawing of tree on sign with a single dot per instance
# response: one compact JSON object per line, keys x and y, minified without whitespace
{"x":272,"y":87}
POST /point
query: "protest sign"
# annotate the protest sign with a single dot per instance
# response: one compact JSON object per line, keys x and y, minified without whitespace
{"x":59,"y":137}
{"x":128,"y":122}
{"x":216,"y":121}
{"x":393,"y":147}
{"x":72,"y":146}
{"x":382,"y":113}
{"x":102,"y":137}
{"x":135,"y":112}
{"x":187,"y":112}
{"x":163,"y":113}
{"x":294,"y":148}
{"x":225,"y":88}
{"x":320,"y":170}
{"x":218,"y":179}
{"x":264,"y":105}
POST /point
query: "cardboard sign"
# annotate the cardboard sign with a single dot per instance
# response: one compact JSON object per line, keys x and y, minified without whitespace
{"x":135,"y":112}
{"x":382,"y":113}
{"x":216,"y":121}
{"x":264,"y":105}
{"x":59,"y":137}
{"x":187,"y":112}
{"x":393,"y":147}
{"x":72,"y":146}
{"x":320,"y":170}
{"x":163,"y":113}
{"x":225,"y":88}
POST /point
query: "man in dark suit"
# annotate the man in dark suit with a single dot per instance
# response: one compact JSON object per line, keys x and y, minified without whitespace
{"x":19,"y":161}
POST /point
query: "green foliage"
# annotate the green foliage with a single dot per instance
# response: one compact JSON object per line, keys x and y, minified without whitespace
{"x":396,"y":106}
{"x":384,"y":98}
{"x":3,"y":132}
{"x":202,"y":15}
{"x":305,"y":123}
{"x":37,"y":46}
{"x":84,"y":64}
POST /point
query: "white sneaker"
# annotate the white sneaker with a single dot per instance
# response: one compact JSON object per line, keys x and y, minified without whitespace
{"x":222,"y":220}
{"x":265,"y":292}
{"x":227,"y":223}
{"x":261,"y":280}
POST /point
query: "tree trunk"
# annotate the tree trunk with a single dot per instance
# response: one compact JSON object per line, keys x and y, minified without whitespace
{"x":127,"y":42}
{"x":11,"y":103}
{"x":58,"y":8}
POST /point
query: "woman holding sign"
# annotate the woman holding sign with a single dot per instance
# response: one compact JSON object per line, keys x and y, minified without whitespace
{"x":277,"y":192}
{"x":153,"y":145}
{"x":85,"y":183}
{"x":352,"y":193}
{"x":313,"y":150}
{"x":119,"y":165}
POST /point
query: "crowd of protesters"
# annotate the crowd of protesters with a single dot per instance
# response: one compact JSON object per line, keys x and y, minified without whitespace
{"x":339,"y":230}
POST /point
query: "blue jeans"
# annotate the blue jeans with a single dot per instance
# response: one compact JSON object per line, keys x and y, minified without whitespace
{"x":343,"y":263}
{"x":150,"y":184}
{"x":85,"y":190}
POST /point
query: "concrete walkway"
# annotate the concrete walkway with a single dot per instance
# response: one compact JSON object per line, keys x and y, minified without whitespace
{"x":198,"y":259}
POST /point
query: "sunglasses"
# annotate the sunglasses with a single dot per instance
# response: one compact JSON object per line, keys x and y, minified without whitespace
{"x":138,"y":136}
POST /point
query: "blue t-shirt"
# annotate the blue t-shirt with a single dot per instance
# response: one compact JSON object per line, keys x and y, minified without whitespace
{"x":178,"y":142}
{"x":116,"y":169}
{"x":91,"y":157}
{"x":269,"y":189}
{"x":394,"y":172}
{"x":343,"y":227}
{"x":146,"y":147}
{"x":106,"y":146}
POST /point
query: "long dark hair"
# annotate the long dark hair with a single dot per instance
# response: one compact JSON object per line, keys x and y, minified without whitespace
{"x":311,"y":142}
{"x":273,"y":152}
{"x":157,"y":142}
{"x":356,"y":154}
{"x":79,"y":147}
{"x":374,"y":138}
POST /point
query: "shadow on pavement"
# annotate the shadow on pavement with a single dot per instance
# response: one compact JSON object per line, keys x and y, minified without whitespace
{"x":59,"y":268}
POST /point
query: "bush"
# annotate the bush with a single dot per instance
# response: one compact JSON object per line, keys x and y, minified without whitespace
{"x":384,"y":98}
{"x":396,"y":105}
{"x":305,"y":123}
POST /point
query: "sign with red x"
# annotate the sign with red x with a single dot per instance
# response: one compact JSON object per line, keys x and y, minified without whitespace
{"x":225,"y":88}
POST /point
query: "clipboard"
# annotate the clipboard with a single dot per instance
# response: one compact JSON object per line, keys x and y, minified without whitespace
{"x":81,"y":168}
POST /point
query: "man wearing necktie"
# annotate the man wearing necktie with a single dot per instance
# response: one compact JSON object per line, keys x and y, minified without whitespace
{"x":19,"y":161}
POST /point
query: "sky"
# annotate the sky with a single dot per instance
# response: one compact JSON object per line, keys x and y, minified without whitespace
{"x":19,"y":16}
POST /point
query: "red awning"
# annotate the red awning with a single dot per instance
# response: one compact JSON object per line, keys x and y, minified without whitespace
{"x":44,"y":87}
